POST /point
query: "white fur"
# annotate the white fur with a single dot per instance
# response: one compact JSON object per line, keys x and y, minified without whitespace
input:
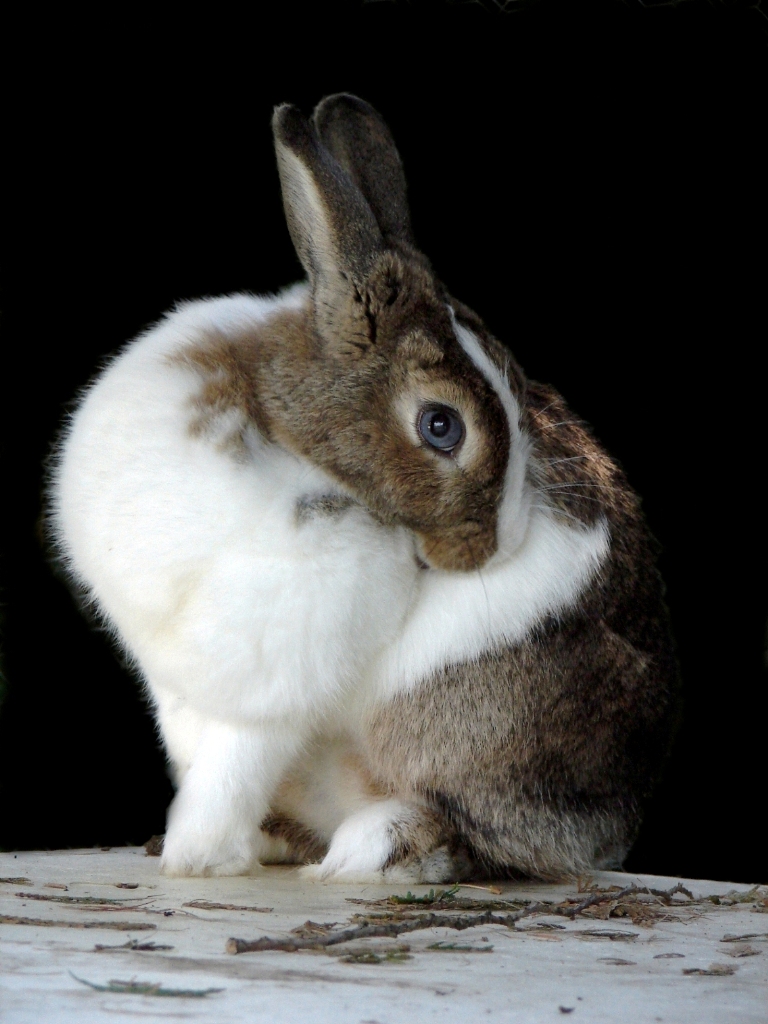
{"x":255,"y":631}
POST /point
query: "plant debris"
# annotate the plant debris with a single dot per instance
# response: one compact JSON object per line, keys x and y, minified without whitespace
{"x":756,"y":894}
{"x":444,"y":896}
{"x":99,"y":902}
{"x":374,"y":958}
{"x":20,"y":880}
{"x":146,"y":988}
{"x":35,"y":922}
{"x":640,"y":903}
{"x":605,"y":933}
{"x":55,"y":885}
{"x":486,"y":888}
{"x":393,"y":954}
{"x":134,"y":944}
{"x":154,"y":846}
{"x":313,"y":928}
{"x":383,"y":929}
{"x":441,"y":901}
{"x":744,"y":938}
{"x":741,"y":951}
{"x":713,"y":971}
{"x":398,"y":915}
{"x":207,"y":905}
{"x":455,"y":947}
{"x":616,"y":961}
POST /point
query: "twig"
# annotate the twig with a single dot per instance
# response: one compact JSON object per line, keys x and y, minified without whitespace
{"x":36,"y":922}
{"x":485,"y":888}
{"x":146,"y":988}
{"x":207,"y":905}
{"x":459,"y":922}
{"x":630,"y":890}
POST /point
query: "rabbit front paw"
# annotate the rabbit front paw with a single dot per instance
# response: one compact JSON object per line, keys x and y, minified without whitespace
{"x":213,"y":845}
{"x":230,"y":856}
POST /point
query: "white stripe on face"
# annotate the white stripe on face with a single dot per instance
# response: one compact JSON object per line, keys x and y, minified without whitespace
{"x":516,"y":499}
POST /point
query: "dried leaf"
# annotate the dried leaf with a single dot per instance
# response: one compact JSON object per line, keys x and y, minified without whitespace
{"x":146,"y":988}
{"x":35,"y":922}
{"x":445,"y":895}
{"x":134,"y":944}
{"x":486,"y":888}
{"x":99,"y":902}
{"x":713,"y":971}
{"x":207,"y":905}
{"x":154,"y":846}
{"x":313,"y":928}
{"x":455,"y":947}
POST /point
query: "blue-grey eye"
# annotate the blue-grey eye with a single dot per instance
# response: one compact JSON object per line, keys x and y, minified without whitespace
{"x":441,"y":428}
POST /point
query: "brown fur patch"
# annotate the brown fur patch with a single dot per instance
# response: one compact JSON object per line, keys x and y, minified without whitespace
{"x":336,"y":404}
{"x":540,"y":756}
{"x":304,"y":843}
{"x":416,"y":834}
{"x":568,"y":467}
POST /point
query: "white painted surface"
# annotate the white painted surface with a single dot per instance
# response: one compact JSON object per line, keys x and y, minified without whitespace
{"x":527,"y":977}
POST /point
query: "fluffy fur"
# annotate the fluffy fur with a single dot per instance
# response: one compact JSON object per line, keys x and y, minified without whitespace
{"x":403,"y":660}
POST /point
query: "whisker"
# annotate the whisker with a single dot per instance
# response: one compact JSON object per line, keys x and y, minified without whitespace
{"x":559,"y":512}
{"x":482,"y":582}
{"x":569,"y":494}
{"x":572,"y":458}
{"x":564,"y":423}
{"x":581,"y":497}
{"x":565,"y":484}
{"x":540,"y":412}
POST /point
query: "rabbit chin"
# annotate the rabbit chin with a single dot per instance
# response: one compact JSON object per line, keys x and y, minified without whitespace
{"x":455,"y":550}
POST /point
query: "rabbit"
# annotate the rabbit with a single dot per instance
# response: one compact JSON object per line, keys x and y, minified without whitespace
{"x":395,"y":610}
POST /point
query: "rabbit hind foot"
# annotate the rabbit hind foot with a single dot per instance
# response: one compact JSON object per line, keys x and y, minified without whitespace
{"x":387,"y":841}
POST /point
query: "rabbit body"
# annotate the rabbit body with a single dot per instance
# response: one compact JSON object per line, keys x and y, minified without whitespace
{"x":399,"y":668}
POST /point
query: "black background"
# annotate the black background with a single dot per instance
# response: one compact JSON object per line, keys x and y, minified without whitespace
{"x":586,"y":176}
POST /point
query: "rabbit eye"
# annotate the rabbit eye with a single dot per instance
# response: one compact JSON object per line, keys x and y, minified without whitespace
{"x":441,"y":428}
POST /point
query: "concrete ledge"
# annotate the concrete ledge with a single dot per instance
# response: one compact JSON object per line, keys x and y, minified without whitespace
{"x":147,"y":946}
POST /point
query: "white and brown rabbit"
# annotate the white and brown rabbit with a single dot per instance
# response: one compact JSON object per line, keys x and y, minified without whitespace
{"x":395,"y":610}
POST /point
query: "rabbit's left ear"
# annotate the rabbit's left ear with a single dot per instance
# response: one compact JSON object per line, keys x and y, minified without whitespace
{"x":361,"y":142}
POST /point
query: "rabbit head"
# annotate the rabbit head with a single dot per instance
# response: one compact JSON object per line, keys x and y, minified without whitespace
{"x":386,"y":397}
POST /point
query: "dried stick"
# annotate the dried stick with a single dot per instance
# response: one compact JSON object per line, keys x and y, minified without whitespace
{"x":459,"y":922}
{"x":630,"y":890}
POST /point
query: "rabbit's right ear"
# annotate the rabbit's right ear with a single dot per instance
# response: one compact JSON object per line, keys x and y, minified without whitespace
{"x":360,"y":140}
{"x":332,"y":226}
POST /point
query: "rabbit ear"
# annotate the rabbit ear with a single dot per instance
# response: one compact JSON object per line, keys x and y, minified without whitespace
{"x":333,"y":229}
{"x":361,"y":142}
